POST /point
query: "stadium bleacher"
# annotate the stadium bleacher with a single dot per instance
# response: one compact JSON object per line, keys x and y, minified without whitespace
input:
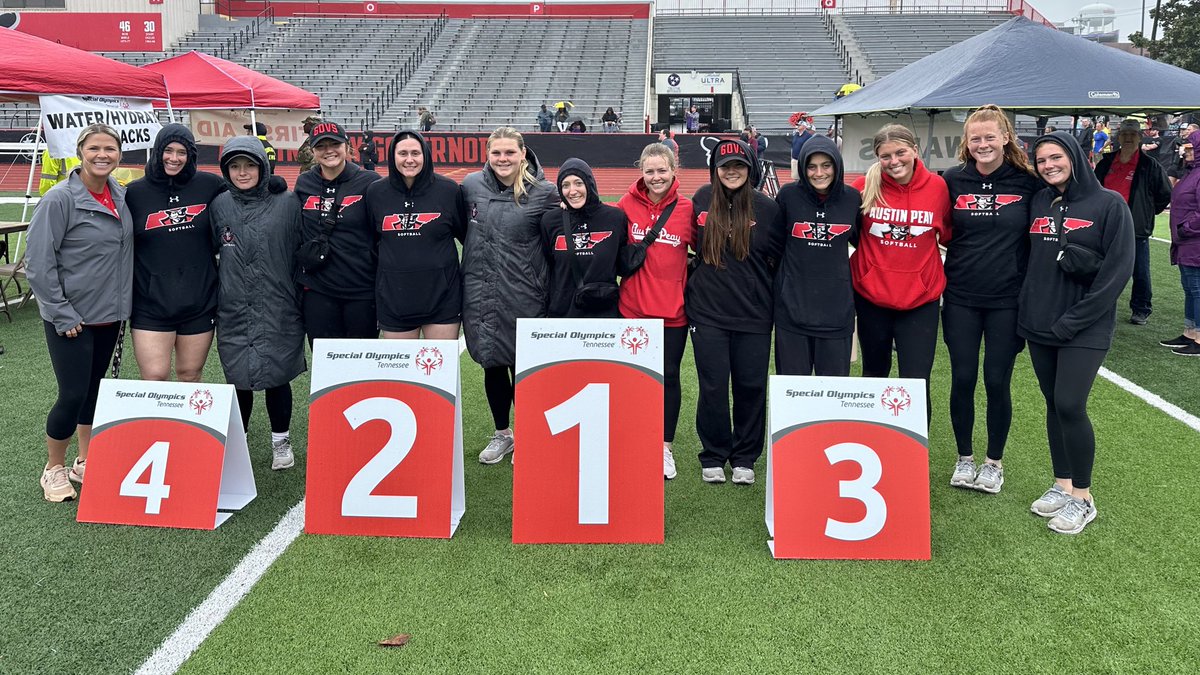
{"x":892,"y":41}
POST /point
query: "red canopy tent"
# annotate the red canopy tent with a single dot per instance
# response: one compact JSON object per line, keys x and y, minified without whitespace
{"x":199,"y":81}
{"x":33,"y":66}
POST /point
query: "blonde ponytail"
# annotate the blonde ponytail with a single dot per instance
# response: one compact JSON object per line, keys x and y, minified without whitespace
{"x":872,"y":187}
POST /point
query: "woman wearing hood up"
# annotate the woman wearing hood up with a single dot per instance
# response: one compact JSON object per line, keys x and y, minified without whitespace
{"x":662,"y":224}
{"x":417,"y":215}
{"x":739,"y":242}
{"x":505,"y":276}
{"x":1080,"y":258}
{"x":985,"y":262}
{"x":174,"y":272}
{"x":582,"y":243}
{"x":1185,"y":249}
{"x":897,"y":267}
{"x":260,"y":335}
{"x":814,"y":300}
{"x":338,"y":290}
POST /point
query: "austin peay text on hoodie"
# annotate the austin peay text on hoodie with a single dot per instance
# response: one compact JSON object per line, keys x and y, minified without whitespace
{"x":985,"y":257}
{"x":1053,"y":308}
{"x":813,"y":293}
{"x":350,"y":271}
{"x":418,"y":279}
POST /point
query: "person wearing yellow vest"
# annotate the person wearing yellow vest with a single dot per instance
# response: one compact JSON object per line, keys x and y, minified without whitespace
{"x":54,"y":171}
{"x":260,"y":130}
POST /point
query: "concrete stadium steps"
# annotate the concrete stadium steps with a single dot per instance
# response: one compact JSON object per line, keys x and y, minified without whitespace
{"x":892,"y":41}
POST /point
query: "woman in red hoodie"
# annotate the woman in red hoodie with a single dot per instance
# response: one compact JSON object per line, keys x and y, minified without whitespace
{"x":897,"y":269}
{"x":655,"y":290}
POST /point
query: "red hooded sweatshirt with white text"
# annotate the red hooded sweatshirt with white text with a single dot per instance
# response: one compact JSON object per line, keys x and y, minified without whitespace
{"x":656,"y":290}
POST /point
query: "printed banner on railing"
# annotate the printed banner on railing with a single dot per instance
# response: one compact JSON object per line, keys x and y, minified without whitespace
{"x":285,"y":128}
{"x":63,"y":117}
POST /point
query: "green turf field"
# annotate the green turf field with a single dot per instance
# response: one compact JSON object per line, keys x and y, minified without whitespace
{"x":1001,"y":594}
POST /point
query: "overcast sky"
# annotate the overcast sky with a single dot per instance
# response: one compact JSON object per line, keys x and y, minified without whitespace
{"x":1129,"y":12}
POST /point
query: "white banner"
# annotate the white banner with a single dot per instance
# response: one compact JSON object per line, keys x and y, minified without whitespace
{"x":859,"y":132}
{"x":285,"y":128}
{"x":63,"y":117}
{"x":693,"y":83}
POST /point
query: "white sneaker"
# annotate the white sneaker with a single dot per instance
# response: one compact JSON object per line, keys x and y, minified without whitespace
{"x":964,"y":473}
{"x":281,"y":455}
{"x":743,"y":475}
{"x":715,"y":474}
{"x":75,"y":473}
{"x":500,"y":445}
{"x":668,"y":463}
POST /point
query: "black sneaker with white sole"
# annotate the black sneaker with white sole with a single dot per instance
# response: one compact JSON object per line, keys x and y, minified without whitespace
{"x":1187,"y":350}
{"x":1139,"y":318}
{"x":1181,"y":341}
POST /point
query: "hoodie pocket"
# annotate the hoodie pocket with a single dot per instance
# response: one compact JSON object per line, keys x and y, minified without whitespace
{"x":403,"y":294}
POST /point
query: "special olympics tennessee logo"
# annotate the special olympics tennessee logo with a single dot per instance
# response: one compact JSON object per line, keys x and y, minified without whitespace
{"x":429,"y":359}
{"x":895,"y":399}
{"x":635,"y":338}
{"x":200,"y":401}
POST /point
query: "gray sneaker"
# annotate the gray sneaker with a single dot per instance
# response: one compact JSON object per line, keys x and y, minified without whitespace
{"x":497,"y":448}
{"x":1050,"y":503}
{"x":743,"y":475}
{"x":964,"y":473}
{"x":1073,"y":517}
{"x":990,"y":478}
{"x":713,"y":474}
{"x":282,"y":456}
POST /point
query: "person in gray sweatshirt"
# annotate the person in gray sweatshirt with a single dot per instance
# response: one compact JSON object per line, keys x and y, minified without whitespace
{"x":80,"y":267}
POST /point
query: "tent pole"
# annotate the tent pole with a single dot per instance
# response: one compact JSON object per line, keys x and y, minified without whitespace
{"x":928,"y":140}
{"x":170,"y":111}
{"x":253,"y":123}
{"x":34,"y":162}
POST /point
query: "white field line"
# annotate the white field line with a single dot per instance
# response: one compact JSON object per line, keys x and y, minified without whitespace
{"x":209,"y":614}
{"x":1165,"y":241}
{"x":1154,"y":400}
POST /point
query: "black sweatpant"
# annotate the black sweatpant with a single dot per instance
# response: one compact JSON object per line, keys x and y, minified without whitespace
{"x":799,"y":354}
{"x":279,"y":407}
{"x":914,"y":333}
{"x":1065,"y":376}
{"x":79,"y":364}
{"x":674,"y":341}
{"x":328,"y":317}
{"x":498,"y":385}
{"x":724,"y":357}
{"x":963,"y":330}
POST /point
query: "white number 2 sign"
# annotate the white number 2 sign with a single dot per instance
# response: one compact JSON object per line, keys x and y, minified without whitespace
{"x":357,"y":500}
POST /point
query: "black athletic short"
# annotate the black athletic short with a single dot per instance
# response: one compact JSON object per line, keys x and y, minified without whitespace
{"x":194,"y":326}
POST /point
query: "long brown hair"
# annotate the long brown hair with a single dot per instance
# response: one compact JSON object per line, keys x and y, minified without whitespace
{"x":873,"y":181}
{"x":728,"y":224}
{"x":1013,"y":154}
{"x":525,"y":177}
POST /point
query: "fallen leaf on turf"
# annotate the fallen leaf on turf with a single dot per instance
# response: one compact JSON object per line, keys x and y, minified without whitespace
{"x":396,"y":640}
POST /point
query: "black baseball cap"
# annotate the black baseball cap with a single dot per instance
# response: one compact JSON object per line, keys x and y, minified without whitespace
{"x":260,"y":129}
{"x":731,"y":152}
{"x":328,"y":130}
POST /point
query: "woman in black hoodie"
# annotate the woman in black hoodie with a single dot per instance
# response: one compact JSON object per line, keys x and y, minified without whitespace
{"x":990,"y":195}
{"x":582,"y":243}
{"x":338,"y":297}
{"x":728,"y":300}
{"x":174,"y":273}
{"x":814,"y":300}
{"x":417,"y":215}
{"x":1080,"y":258}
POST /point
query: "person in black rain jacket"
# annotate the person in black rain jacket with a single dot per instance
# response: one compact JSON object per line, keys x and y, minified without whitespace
{"x":728,"y":300}
{"x":814,"y":300}
{"x":582,"y":243}
{"x":1067,"y":311}
{"x":417,"y":216}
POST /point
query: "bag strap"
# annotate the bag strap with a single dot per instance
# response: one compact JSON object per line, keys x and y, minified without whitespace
{"x":569,"y":240}
{"x":1055,"y":212}
{"x":329,"y":218}
{"x":662,"y":220}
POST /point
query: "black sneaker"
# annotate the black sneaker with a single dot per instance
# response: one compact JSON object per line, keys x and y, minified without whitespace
{"x":1139,"y":318}
{"x":1181,"y":341}
{"x":1188,"y":350}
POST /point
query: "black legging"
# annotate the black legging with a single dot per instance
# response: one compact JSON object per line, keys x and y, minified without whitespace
{"x":279,"y":407}
{"x":328,"y":317}
{"x":914,"y":332}
{"x":963,"y":329}
{"x":498,"y":385}
{"x":79,"y":364}
{"x":674,"y":339}
{"x":1065,"y":375}
{"x":799,"y":354}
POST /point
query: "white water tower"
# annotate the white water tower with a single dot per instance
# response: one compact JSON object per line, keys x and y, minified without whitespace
{"x":1097,"y":19}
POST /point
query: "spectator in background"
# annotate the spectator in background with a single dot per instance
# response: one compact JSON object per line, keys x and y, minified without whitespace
{"x":545,"y":120}
{"x":611,"y":121}
{"x":666,"y":137}
{"x":1100,"y":140}
{"x":1185,"y":250}
{"x":367,"y":153}
{"x":1143,"y":184}
{"x":758,"y":142}
{"x":305,"y":154}
{"x":426,"y":118}
{"x":1086,"y":135}
{"x":560,"y":117}
{"x":692,"y":120}
{"x":1050,"y":129}
{"x":801,"y":134}
{"x":54,"y":171}
{"x":260,"y":130}
{"x":1164,"y":150}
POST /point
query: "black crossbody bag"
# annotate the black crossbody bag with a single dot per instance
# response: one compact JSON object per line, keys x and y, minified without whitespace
{"x":314,"y":254}
{"x":633,"y":256}
{"x":1076,"y":261}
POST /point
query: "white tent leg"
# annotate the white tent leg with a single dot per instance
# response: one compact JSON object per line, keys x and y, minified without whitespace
{"x":36,"y":161}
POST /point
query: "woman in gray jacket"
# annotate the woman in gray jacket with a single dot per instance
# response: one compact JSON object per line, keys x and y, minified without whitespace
{"x":260,"y":336}
{"x":504,"y":271}
{"x":80,"y":267}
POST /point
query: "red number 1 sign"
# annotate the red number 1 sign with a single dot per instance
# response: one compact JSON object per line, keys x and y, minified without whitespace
{"x":588,"y":431}
{"x":385,"y":439}
{"x":848,"y":468}
{"x":166,"y":454}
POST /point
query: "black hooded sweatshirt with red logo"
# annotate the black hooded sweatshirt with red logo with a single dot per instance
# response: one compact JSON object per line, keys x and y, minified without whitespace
{"x":597,"y":232}
{"x":738,"y":296}
{"x":349,"y":272}
{"x":418,"y":280}
{"x":1054,"y":308}
{"x":813,"y":293}
{"x":989,"y":218}
{"x":174,"y":272}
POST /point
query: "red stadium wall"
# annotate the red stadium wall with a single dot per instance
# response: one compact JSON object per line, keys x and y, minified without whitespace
{"x":453,"y":10}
